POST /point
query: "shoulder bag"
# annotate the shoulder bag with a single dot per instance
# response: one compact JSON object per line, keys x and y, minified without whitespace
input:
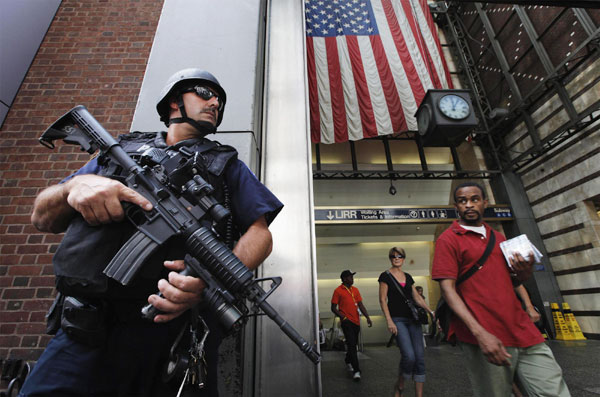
{"x":443,"y":313}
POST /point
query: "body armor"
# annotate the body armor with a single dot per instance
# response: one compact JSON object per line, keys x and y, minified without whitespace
{"x":86,"y":250}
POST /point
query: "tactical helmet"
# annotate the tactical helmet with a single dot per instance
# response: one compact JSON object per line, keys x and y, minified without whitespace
{"x":180,"y":78}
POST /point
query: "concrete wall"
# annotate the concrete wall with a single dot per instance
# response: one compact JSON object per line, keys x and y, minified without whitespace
{"x":561,"y":187}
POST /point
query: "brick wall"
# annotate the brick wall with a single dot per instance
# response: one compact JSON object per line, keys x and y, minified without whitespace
{"x":94,"y":54}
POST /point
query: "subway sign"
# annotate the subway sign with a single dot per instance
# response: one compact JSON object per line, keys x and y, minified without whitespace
{"x":404,"y":214}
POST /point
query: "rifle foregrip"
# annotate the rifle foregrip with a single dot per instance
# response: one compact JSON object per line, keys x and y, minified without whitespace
{"x":219,"y":260}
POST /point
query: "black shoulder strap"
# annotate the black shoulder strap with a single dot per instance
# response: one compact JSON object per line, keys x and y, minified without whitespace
{"x":481,"y":261}
{"x":396,"y":284}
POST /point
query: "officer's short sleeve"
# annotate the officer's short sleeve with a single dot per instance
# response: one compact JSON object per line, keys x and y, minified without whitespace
{"x":92,"y":167}
{"x":250,"y":199}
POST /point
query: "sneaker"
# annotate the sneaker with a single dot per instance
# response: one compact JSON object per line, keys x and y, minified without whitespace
{"x":349,"y":367}
{"x":356,"y":375}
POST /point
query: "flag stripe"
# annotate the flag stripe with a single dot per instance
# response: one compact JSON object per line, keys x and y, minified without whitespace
{"x":427,"y":44}
{"x":362,"y":90}
{"x":407,"y":79}
{"x":355,"y":129}
{"x":383,"y":124}
{"x":340,"y":127}
{"x":313,"y":92}
{"x":394,"y":107}
{"x":409,"y":31}
{"x":411,"y":13}
{"x":433,"y":43}
{"x":326,"y":119}
{"x":410,"y":68}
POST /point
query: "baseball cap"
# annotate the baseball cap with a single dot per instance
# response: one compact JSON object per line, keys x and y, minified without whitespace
{"x":346,"y":273}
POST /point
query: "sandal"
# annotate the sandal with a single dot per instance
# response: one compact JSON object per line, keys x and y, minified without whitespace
{"x":398,"y":389}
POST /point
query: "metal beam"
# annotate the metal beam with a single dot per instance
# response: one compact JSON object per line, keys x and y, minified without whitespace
{"x":404,"y":174}
{"x":388,"y":153}
{"x":422,"y":153}
{"x":551,"y":3}
{"x":586,"y":21}
{"x":469,"y":67}
{"x":545,"y":59}
{"x":489,"y":29}
{"x":353,"y":155}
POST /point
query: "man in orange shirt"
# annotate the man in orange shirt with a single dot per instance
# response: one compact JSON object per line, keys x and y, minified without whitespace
{"x":345,"y":303}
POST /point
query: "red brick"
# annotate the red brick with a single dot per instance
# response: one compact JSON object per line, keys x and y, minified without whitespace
{"x":6,"y":281}
{"x":35,"y":239}
{"x":31,"y":328}
{"x":6,"y":329}
{"x":18,"y":293}
{"x":10,"y":340}
{"x":8,"y":249}
{"x":24,"y":270}
{"x":14,"y":317}
{"x":9,"y":259}
{"x":43,"y":281}
{"x":38,"y":317}
{"x":14,"y":239}
{"x":26,"y":354}
{"x":30,"y":341}
{"x":32,"y":249}
{"x":37,"y":305}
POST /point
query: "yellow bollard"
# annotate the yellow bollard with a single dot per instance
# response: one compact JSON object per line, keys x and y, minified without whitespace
{"x":562,"y":331}
{"x":572,"y":323}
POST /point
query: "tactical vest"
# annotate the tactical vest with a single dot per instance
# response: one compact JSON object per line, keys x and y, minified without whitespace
{"x":86,"y":250}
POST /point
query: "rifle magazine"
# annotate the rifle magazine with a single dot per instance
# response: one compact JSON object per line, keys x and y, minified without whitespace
{"x":130,"y":258}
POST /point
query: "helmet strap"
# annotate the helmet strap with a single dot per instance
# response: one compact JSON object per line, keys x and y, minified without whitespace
{"x":203,"y":127}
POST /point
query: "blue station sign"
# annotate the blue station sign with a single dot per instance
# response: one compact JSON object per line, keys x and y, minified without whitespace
{"x":441,"y":214}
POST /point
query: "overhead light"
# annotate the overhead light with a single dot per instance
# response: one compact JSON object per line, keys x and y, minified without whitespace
{"x":392,"y":189}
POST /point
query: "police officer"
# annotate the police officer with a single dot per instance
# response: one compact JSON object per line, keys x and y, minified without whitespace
{"x":102,"y":346}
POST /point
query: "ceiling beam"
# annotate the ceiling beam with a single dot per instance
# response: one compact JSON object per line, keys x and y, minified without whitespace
{"x":552,"y":3}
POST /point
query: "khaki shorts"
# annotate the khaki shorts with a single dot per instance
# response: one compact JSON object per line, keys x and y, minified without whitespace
{"x":533,"y":368}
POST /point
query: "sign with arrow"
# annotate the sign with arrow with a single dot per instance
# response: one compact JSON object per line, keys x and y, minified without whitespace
{"x":441,"y":214}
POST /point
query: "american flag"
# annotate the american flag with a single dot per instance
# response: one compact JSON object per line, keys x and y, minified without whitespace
{"x":370,"y":64}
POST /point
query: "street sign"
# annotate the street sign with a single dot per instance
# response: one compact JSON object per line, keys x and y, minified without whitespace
{"x":441,"y":214}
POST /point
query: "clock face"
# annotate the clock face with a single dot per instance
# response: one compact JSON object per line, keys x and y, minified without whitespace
{"x":424,"y":120}
{"x":454,"y":107}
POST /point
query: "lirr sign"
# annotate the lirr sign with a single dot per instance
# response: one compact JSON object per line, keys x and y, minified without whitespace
{"x":441,"y":214}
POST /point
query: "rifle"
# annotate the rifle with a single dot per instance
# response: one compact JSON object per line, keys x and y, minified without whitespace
{"x":179,"y":203}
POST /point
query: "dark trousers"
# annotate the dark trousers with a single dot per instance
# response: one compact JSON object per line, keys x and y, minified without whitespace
{"x":130,"y":364}
{"x":351,"y":332}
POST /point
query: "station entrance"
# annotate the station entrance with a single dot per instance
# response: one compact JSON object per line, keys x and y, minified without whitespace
{"x":359,"y":239}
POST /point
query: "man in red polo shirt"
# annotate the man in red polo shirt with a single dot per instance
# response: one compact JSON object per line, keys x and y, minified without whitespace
{"x":345,"y":302}
{"x":498,"y":339}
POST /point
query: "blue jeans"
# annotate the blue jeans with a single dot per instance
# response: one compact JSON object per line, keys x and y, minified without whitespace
{"x":410,"y":342}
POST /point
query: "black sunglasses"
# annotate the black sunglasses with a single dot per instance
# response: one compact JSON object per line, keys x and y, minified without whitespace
{"x":205,"y":93}
{"x":397,"y":256}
